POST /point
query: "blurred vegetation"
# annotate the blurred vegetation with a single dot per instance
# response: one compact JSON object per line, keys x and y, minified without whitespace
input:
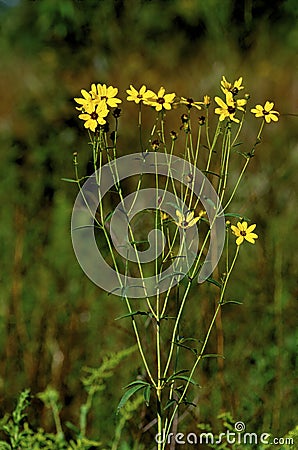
{"x":53,"y":321}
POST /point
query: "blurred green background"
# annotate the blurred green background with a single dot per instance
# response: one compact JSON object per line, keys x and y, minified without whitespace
{"x":53,"y":320}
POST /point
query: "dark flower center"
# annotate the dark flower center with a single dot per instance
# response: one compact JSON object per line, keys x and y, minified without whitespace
{"x":184,"y":223}
{"x":160,"y":100}
{"x":243,"y":233}
{"x":94,"y":115}
{"x":231,"y":109}
{"x":235,"y":91}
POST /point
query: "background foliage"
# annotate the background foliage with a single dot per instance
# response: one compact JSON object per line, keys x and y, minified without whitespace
{"x":53,"y":321}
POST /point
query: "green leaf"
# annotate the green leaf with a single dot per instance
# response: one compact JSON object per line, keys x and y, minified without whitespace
{"x":134,"y":313}
{"x":213,"y":355}
{"x":137,"y":382}
{"x":188,"y":339}
{"x":69,"y":180}
{"x":212,"y":173}
{"x":236,"y":302}
{"x":193,"y":350}
{"x":237,"y":145}
{"x":108,"y":216}
{"x":147,"y":393}
{"x":128,"y":394}
{"x":179,"y":372}
{"x":170,"y":403}
{"x":184,"y":378}
{"x":213,"y":281}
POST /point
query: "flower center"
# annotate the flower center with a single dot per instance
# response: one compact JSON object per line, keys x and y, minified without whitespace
{"x":231,"y":109}
{"x":184,"y":223}
{"x":235,"y":91}
{"x":243,"y":233}
{"x":94,"y":115}
{"x":160,"y":100}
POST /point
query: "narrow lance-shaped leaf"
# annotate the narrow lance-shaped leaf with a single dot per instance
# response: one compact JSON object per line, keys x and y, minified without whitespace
{"x":127,"y":395}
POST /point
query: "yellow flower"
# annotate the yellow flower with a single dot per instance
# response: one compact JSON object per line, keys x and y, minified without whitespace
{"x":189,"y":102}
{"x":234,"y":88}
{"x":243,"y":232}
{"x":87,"y":102}
{"x":186,"y":221}
{"x":229,"y":108}
{"x":95,"y":117}
{"x":161,"y":100}
{"x":102,"y":93}
{"x":138,"y":96}
{"x":266,"y":112}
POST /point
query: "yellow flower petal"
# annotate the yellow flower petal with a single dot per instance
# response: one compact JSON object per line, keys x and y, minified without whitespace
{"x":235,"y":230}
{"x":253,"y":235}
{"x":193,"y":222}
{"x":250,"y":239}
{"x":268,"y":106}
{"x":239,"y":240}
{"x":161,"y":92}
{"x":179,"y":215}
{"x":220,"y":102}
{"x":189,"y":216}
{"x":251,"y":228}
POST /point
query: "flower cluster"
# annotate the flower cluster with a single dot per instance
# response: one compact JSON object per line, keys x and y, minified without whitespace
{"x":94,"y":104}
{"x":229,"y":108}
{"x":159,"y":101}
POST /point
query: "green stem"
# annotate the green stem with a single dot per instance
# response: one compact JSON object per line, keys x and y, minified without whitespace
{"x":204,"y":344}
